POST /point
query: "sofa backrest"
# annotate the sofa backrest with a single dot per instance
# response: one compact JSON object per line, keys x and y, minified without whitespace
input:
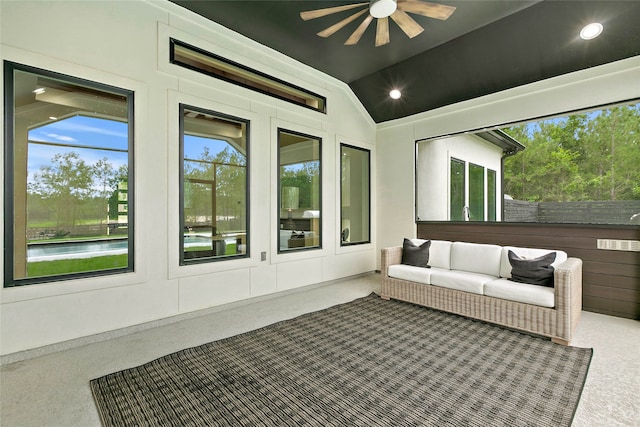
{"x":476,"y":258}
{"x":528,"y":253}
{"x":440,"y":254}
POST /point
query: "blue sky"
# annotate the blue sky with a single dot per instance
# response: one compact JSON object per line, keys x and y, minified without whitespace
{"x":77,"y":132}
{"x":194,"y":145}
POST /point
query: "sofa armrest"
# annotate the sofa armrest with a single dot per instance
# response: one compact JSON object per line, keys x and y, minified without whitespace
{"x":568,"y":295}
{"x":390,"y":256}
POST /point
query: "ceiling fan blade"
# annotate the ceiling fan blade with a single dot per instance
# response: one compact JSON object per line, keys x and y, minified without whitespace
{"x":332,"y":29}
{"x":425,"y":8}
{"x":410,"y":27}
{"x":382,"y":32}
{"x":357,"y":34}
{"x":313,"y":14}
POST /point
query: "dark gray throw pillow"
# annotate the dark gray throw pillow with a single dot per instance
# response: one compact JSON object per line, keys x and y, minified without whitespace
{"x":417,"y":256}
{"x":537,"y":271}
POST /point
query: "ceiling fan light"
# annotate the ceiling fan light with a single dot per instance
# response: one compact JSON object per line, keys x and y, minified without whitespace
{"x":382,"y":8}
{"x":591,"y":31}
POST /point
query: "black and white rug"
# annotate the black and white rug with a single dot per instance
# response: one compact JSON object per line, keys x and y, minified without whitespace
{"x":365,"y":363}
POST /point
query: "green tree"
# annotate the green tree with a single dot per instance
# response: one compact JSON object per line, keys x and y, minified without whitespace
{"x":591,"y":156}
{"x":612,"y":153}
{"x":228,"y":172}
{"x":65,"y":183}
{"x":305,"y":176}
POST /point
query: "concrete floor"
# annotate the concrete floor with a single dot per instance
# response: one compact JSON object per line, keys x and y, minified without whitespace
{"x":53,"y":389}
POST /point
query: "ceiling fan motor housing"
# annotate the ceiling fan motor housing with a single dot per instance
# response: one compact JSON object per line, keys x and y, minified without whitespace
{"x":382,"y":8}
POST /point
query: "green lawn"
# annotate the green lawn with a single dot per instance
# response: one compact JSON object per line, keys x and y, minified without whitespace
{"x":76,"y":265}
{"x":229,"y":250}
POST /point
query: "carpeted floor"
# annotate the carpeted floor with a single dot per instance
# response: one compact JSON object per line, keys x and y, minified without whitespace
{"x":365,"y":363}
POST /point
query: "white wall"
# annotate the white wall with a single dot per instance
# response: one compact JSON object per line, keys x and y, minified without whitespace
{"x":126,"y":44}
{"x":395,"y":141}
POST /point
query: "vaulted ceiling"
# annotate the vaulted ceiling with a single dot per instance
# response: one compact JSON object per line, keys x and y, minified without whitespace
{"x":483,"y":47}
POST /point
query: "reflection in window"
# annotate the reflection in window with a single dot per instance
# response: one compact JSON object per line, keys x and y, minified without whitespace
{"x":458,"y":210}
{"x":68,"y":177}
{"x":354,"y":195}
{"x":299,"y":195}
{"x":476,"y":192}
{"x":213,"y":195}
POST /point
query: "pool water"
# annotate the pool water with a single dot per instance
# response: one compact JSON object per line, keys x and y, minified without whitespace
{"x":84,"y":249}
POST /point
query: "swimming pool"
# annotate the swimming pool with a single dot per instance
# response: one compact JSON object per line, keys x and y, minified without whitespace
{"x":75,"y":249}
{"x":91,"y":248}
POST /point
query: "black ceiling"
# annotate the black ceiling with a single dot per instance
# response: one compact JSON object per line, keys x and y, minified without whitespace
{"x":486,"y":46}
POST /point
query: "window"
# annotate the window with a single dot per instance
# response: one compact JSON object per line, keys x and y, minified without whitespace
{"x":213,"y":180}
{"x":491,"y":195}
{"x":355,"y":195}
{"x":299,"y":195}
{"x":68,"y":177}
{"x":205,"y":62}
{"x":458,"y":196}
{"x":473,"y":208}
{"x":476,"y":192}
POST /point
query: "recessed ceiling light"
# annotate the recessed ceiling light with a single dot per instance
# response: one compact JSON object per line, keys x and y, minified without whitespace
{"x":591,"y":31}
{"x":382,"y":8}
{"x":395,"y":94}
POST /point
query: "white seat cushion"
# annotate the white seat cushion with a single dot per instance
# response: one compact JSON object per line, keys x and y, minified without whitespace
{"x":527,"y":253}
{"x":476,"y":258}
{"x":543,"y":296}
{"x":410,"y":273}
{"x":460,"y":280}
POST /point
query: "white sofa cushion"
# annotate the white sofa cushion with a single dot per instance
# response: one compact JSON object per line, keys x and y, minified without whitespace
{"x":527,"y":253}
{"x":440,"y":254}
{"x":520,"y":292}
{"x":460,"y":280}
{"x":410,"y":273}
{"x":476,"y":258}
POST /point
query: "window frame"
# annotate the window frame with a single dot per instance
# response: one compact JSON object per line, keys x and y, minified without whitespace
{"x":492,"y":195}
{"x":279,"y":131}
{"x":212,"y":259}
{"x":476,"y":170}
{"x":462,"y":163}
{"x":9,"y":69}
{"x":340,"y":237}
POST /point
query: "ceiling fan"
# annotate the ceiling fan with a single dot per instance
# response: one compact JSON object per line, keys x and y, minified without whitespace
{"x":382,"y":10}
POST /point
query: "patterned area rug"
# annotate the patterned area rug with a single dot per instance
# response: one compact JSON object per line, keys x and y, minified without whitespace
{"x":365,"y":363}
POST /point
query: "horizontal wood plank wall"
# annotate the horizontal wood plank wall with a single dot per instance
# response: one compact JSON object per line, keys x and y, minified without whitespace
{"x":611,"y":279}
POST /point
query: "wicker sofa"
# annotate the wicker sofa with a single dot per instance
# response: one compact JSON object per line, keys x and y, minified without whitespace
{"x":472,"y":280}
